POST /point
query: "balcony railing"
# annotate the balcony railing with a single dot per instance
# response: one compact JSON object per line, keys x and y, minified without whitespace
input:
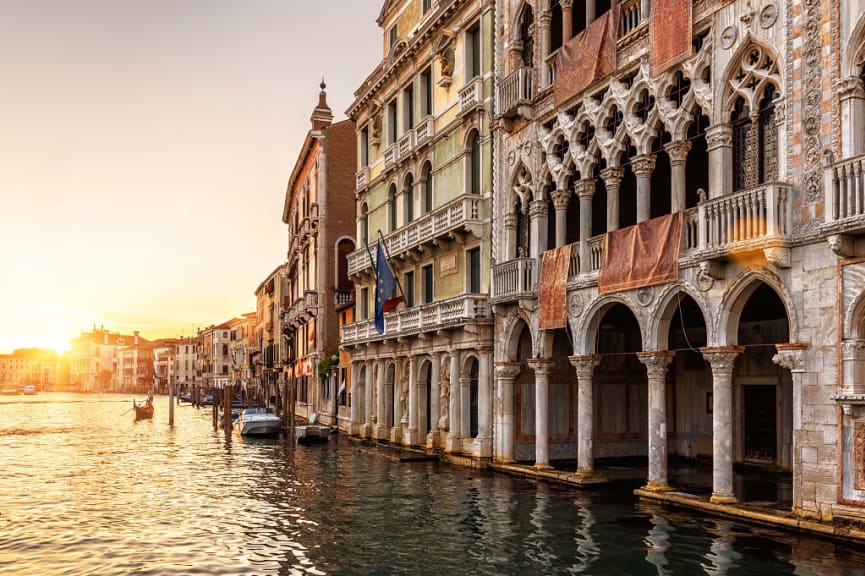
{"x":629,"y":17}
{"x":745,"y":218}
{"x":424,"y":131}
{"x":462,"y":212}
{"x":845,"y":194}
{"x":341,"y":297}
{"x":517,"y":89}
{"x":514,"y":279}
{"x":390,"y":156}
{"x":471,"y":95}
{"x":363,"y":177}
{"x":405,"y":146}
{"x":435,"y":316}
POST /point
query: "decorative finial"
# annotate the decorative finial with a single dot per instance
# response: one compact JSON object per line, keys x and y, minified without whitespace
{"x":322,"y":85}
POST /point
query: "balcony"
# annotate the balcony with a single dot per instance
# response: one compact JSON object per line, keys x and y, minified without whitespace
{"x":468,"y":308}
{"x":513,"y":280}
{"x":471,"y":95}
{"x":424,"y":132}
{"x":363,"y":177}
{"x":517,"y":90}
{"x":390,"y":156}
{"x":629,"y":17}
{"x":463,"y":214}
{"x":845,"y":196}
{"x":342,"y":297}
{"x":405,"y":145}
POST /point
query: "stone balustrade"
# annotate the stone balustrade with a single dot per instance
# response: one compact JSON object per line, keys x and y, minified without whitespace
{"x":463,"y":212}
{"x":515,"y":90}
{"x":428,"y":317}
{"x":514,"y":279}
{"x":405,"y":145}
{"x":390,"y":154}
{"x":362,"y":177}
{"x":845,"y":194}
{"x":745,"y":218}
{"x":471,"y":95}
{"x":424,"y":131}
{"x":629,"y":17}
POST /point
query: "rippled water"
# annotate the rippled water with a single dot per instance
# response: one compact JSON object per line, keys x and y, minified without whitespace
{"x":84,"y":490}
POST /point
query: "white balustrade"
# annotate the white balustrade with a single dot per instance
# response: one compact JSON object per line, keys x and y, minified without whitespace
{"x":518,"y":88}
{"x":424,"y":131}
{"x":514,"y":278}
{"x":845,"y":189}
{"x":390,"y":156}
{"x":405,"y":146}
{"x":363,"y":177}
{"x":470,"y":95}
{"x":629,"y":17}
{"x":746,"y":216}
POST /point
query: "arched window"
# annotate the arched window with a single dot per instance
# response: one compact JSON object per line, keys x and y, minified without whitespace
{"x":427,"y":188}
{"x":391,"y":208}
{"x":364,"y":224}
{"x":527,"y":19}
{"x":409,"y":199}
{"x":474,"y":149}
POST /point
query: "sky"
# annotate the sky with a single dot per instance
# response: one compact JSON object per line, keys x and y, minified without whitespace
{"x":145,"y":148}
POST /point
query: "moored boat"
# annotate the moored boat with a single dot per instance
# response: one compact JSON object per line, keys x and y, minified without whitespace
{"x":144,"y":411}
{"x":30,"y":390}
{"x":258,"y":422}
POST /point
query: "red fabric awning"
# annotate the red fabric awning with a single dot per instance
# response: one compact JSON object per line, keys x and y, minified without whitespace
{"x":642,"y":255}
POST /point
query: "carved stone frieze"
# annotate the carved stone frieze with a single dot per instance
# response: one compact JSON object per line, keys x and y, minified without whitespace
{"x":790,"y":356}
{"x":812,"y":102}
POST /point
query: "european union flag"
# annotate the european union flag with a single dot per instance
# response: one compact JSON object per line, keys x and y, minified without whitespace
{"x":385,"y":284}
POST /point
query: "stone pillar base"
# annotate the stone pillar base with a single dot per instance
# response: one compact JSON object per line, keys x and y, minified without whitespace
{"x":412,"y":437}
{"x":484,"y":447}
{"x":722,"y":499}
{"x":657,"y":487}
{"x":543,"y":466}
{"x":380,"y":432}
{"x":433,"y":440}
{"x":453,"y":443}
{"x":395,"y":435}
{"x":365,"y":430}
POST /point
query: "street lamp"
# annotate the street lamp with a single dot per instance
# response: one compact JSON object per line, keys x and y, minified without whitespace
{"x":334,"y":371}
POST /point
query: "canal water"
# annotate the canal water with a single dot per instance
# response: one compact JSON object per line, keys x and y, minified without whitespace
{"x":84,"y":490}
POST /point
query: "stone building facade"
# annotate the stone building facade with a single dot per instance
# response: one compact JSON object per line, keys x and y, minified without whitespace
{"x":271,"y":298}
{"x":319,"y":214}
{"x":739,"y":124}
{"x":423,"y":188}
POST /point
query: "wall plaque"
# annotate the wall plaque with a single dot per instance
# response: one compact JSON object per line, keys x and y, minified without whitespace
{"x":448,"y":265}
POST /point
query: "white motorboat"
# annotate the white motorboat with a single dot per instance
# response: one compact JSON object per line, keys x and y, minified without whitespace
{"x":258,"y":422}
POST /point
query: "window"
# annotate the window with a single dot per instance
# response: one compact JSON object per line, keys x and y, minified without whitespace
{"x":426,"y":92}
{"x":409,"y":289}
{"x":474,"y":164}
{"x":391,"y":122}
{"x":364,"y":146}
{"x":425,"y":6}
{"x":391,"y":34}
{"x":427,"y":284}
{"x":364,"y":224}
{"x":473,"y":52}
{"x":474,"y":266}
{"x":225,"y":349}
{"x":408,"y":108}
{"x":364,"y":303}
{"x":409,"y":199}
{"x":391,"y":207}
{"x":428,"y":189}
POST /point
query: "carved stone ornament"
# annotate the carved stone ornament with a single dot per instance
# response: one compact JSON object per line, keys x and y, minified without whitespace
{"x":512,"y":157}
{"x":842,"y":245}
{"x":768,"y":15}
{"x":790,"y":356}
{"x":541,"y":366}
{"x":575,"y":305}
{"x":722,"y":359}
{"x":706,"y":275}
{"x":584,"y":365}
{"x":728,"y":37}
{"x":645,"y":295}
{"x":656,"y":363}
{"x":507,"y":370}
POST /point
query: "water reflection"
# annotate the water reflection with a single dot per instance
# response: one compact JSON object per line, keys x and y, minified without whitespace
{"x":85,"y":490}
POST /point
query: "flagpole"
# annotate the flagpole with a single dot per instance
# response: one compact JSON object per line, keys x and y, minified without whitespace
{"x":395,"y":276}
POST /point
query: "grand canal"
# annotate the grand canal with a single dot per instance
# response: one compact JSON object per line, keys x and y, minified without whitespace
{"x":84,"y":490}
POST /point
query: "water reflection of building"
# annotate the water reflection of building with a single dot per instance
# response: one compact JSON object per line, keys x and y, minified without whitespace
{"x":423,"y":188}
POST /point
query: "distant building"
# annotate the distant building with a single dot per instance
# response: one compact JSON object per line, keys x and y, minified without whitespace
{"x":186,"y":368}
{"x":164,"y":365}
{"x":29,"y":367}
{"x":269,"y":303}
{"x":93,"y":359}
{"x":319,"y":211}
{"x":214,"y":357}
{"x":134,"y":372}
{"x":242,"y":350}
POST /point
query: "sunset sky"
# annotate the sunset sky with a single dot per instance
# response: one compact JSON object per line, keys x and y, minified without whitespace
{"x":145,"y":147}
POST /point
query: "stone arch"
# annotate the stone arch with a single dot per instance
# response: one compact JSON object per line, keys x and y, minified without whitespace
{"x":737,"y":295}
{"x":854,"y":319}
{"x":466,"y":363}
{"x":664,"y":314}
{"x":512,"y":330}
{"x":585,"y":340}
{"x":520,"y":182}
{"x":853,"y":56}
{"x":759,"y":63}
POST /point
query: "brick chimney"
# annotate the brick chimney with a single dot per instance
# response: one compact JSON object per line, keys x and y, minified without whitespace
{"x":322,"y":116}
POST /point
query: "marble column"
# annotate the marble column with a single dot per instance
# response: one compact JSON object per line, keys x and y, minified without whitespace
{"x":585,"y":190}
{"x":432,"y":439}
{"x":851,"y":93}
{"x":381,"y":430}
{"x":542,"y":367}
{"x":560,"y":202}
{"x":567,"y":21}
{"x":412,"y":436}
{"x":545,"y":18}
{"x":368,"y":402}
{"x":853,"y":361}
{"x":511,"y":226}
{"x":722,"y":361}
{"x":354,"y":425}
{"x":719,"y":144}
{"x":792,"y":357}
{"x":538,"y":215}
{"x":656,"y":369}
{"x":590,"y":12}
{"x":678,"y":153}
{"x":505,"y":433}
{"x":645,"y":7}
{"x":612,"y":181}
{"x":585,"y":367}
{"x":484,"y":441}
{"x":454,"y":439}
{"x":643,"y":166}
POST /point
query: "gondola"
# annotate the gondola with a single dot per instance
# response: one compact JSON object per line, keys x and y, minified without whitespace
{"x":143,"y":412}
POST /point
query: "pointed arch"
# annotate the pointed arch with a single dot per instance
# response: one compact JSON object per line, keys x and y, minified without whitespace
{"x":585,"y":340}
{"x":737,"y":295}
{"x":666,"y":310}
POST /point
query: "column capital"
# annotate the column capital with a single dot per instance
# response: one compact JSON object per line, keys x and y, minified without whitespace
{"x":612,"y":176}
{"x":721,"y":358}
{"x":545,"y":18}
{"x":678,"y":152}
{"x":656,"y":362}
{"x":850,"y":87}
{"x":512,"y":220}
{"x":566,"y":4}
{"x":561,"y":199}
{"x":507,"y":370}
{"x":584,"y":364}
{"x":790,"y":356}
{"x":643,"y":164}
{"x":541,"y":366}
{"x":538,"y":209}
{"x":852,"y":349}
{"x":585,"y":187}
{"x":719,"y":136}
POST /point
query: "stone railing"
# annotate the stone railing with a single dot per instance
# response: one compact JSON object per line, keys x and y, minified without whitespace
{"x":464,"y":211}
{"x":424,"y":131}
{"x":390,"y":156}
{"x":515,"y":90}
{"x":428,"y":317}
{"x":845,"y":193}
{"x":629,"y":17}
{"x":744,"y":217}
{"x":514,"y":279}
{"x":363,"y":177}
{"x":341,"y":297}
{"x":311,"y":298}
{"x":690,"y":229}
{"x":471,"y":95}
{"x":405,"y":145}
